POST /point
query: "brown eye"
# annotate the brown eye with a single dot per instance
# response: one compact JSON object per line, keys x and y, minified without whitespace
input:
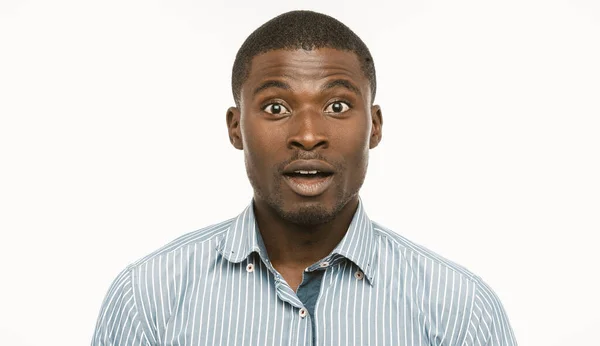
{"x":337,"y":107}
{"x":276,"y":109}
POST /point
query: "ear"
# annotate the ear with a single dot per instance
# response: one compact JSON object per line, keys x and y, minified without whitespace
{"x":377,"y":124}
{"x":233,"y":127}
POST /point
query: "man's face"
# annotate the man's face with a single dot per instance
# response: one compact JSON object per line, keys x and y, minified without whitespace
{"x":306,"y":124}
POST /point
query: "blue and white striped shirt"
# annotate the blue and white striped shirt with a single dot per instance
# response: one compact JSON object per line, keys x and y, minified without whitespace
{"x":216,"y":286}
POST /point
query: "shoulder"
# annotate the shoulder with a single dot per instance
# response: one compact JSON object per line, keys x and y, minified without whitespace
{"x":429,"y":266}
{"x":420,"y":256}
{"x":185,"y":245}
{"x":433,"y":269}
{"x":466,"y":297}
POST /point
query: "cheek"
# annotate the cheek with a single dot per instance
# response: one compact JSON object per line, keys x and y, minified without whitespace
{"x":260,"y":144}
{"x":354,"y":148}
{"x":354,"y":140}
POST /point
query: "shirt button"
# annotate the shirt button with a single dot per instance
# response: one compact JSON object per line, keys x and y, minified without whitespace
{"x":359,"y":275}
{"x":324,"y":264}
{"x":303,"y":312}
{"x":250,"y":268}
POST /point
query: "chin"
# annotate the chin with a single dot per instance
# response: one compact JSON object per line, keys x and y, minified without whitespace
{"x":308,"y":215}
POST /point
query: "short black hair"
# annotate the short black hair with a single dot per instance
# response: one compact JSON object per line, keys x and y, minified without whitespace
{"x":293,"y":30}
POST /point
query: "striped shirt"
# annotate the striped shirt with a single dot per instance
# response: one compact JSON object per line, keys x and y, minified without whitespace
{"x":216,"y":286}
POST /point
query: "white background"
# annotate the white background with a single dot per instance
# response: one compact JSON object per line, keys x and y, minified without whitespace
{"x":113,"y":142}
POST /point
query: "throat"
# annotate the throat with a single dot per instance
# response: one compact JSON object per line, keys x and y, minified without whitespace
{"x":292,"y":275}
{"x":296,"y":246}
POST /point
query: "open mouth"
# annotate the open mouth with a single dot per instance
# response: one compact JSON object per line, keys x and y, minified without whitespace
{"x":308,"y":183}
{"x":314,"y":174}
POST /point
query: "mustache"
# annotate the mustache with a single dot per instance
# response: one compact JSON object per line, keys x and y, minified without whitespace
{"x":308,"y":155}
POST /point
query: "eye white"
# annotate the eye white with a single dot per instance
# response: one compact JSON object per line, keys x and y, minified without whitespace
{"x":282,"y":109}
{"x":345,"y":107}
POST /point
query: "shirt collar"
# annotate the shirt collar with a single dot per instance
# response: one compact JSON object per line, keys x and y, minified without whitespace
{"x":242,"y":238}
{"x":358,"y":244}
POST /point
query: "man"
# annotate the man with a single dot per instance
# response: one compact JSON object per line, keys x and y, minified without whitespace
{"x":302,"y":264}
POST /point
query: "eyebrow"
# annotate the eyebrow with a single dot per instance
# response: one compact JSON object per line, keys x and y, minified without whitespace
{"x":342,"y":83}
{"x":330,"y":85}
{"x":271,"y":84}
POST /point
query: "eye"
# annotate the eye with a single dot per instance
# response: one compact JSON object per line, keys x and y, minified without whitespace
{"x":276,"y":109}
{"x":337,"y":107}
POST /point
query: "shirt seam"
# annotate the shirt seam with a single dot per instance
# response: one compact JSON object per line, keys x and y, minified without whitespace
{"x":135,"y":305}
{"x":161,"y":252}
{"x":415,"y":248}
{"x":463,"y":343}
{"x":483,"y":310}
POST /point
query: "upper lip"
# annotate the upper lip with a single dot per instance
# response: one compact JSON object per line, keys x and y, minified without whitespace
{"x":308,"y":165}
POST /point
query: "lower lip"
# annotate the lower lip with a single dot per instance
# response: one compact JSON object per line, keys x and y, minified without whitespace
{"x":309,"y":187}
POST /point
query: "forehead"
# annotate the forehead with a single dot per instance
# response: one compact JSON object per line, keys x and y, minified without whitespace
{"x":306,"y":66}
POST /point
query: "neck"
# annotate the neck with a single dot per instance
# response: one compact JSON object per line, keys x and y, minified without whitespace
{"x":299,"y":246}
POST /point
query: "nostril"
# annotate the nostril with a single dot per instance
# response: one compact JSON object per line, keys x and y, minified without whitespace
{"x":307,"y":144}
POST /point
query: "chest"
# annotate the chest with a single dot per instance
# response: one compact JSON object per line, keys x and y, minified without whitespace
{"x":231,"y":305}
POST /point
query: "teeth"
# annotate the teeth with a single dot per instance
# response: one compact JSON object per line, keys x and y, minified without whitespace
{"x":306,"y":172}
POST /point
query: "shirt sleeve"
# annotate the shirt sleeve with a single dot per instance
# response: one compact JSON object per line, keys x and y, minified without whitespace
{"x":119,"y":322}
{"x":488,"y":324}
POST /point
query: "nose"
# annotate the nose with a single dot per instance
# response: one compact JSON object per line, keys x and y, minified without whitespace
{"x":308,"y":131}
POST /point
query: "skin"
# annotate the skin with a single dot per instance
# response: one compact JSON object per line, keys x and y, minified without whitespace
{"x":298,"y":104}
